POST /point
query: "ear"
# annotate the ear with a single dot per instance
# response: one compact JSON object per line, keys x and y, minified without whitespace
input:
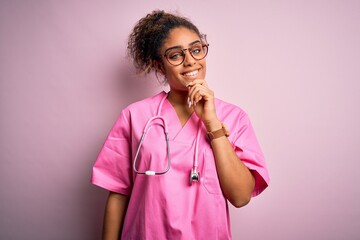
{"x":159,"y":66}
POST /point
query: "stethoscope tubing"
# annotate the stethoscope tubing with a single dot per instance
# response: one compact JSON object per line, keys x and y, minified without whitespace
{"x":194,"y":175}
{"x":146,"y":128}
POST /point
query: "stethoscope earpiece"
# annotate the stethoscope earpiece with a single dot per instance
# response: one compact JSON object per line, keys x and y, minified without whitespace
{"x":194,"y":176}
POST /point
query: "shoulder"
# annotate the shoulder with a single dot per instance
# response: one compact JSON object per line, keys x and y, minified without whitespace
{"x":136,"y":114}
{"x":225,"y":109}
{"x":147,"y":105}
{"x":143,"y":108}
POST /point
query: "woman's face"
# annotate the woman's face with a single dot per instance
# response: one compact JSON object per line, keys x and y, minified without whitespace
{"x":179,"y":76}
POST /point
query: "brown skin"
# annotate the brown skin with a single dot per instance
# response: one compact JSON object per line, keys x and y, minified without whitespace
{"x":114,"y":215}
{"x":236,"y":181}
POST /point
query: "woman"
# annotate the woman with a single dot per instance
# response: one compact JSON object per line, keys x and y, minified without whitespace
{"x":177,"y":189}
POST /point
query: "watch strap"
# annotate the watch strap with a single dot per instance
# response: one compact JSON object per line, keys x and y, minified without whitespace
{"x":223,"y":131}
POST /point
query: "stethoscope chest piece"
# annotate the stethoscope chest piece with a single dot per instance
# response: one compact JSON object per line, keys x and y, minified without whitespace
{"x":194,"y":176}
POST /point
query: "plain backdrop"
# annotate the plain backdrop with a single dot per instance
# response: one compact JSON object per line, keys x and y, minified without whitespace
{"x":294,"y":66}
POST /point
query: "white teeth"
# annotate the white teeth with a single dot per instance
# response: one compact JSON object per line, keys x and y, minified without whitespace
{"x":190,"y":74}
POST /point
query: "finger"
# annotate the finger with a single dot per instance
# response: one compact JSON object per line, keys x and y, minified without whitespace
{"x":199,"y":95}
{"x":197,"y":88}
{"x":197,"y":81}
{"x":193,"y":91}
{"x":194,"y":87}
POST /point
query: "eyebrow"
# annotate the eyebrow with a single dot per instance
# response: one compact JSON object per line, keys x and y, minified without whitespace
{"x":176,"y":47}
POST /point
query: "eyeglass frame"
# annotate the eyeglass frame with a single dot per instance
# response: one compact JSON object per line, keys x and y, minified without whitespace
{"x":184,"y":54}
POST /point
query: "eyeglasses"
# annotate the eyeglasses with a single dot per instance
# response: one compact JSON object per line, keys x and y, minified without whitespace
{"x":176,"y":56}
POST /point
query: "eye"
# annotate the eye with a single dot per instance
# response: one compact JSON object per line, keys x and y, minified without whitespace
{"x":175,"y":55}
{"x":196,"y":50}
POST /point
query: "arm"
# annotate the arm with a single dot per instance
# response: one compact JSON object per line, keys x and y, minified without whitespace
{"x":114,"y":215}
{"x":236,"y":180}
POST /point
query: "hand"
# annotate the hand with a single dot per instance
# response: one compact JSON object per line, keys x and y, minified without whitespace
{"x":201,"y":99}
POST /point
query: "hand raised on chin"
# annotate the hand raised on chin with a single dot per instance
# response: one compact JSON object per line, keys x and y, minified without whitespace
{"x":201,"y":99}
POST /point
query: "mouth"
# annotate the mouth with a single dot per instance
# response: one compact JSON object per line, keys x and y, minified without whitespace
{"x":192,"y":73}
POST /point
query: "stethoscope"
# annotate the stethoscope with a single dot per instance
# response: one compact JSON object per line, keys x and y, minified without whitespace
{"x":194,"y":174}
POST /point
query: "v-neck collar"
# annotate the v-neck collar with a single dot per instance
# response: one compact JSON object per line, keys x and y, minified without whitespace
{"x":176,"y":130}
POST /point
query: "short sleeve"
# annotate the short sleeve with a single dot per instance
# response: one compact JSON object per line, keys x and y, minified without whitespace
{"x":248,"y":150}
{"x":112,"y":169}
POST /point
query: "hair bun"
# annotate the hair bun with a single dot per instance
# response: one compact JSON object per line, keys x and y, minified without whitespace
{"x":157,"y":15}
{"x":149,"y":34}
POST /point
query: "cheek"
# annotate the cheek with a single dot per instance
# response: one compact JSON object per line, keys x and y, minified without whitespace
{"x":169,"y":70}
{"x":204,"y":70}
{"x":170,"y":75}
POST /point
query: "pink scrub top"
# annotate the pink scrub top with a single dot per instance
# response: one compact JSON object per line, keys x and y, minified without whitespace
{"x":167,"y":206}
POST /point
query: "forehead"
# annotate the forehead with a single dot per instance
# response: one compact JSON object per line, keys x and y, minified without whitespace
{"x":181,"y":37}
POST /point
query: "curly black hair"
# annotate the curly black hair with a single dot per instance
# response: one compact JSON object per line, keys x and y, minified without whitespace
{"x":148,"y":37}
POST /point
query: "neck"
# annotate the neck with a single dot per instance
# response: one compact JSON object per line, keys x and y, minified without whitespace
{"x":179,"y":101}
{"x":178,"y":98}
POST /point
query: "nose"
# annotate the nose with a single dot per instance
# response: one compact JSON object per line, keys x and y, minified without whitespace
{"x":188,"y":58}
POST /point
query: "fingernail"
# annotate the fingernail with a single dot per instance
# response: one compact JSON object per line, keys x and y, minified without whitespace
{"x":189,"y":102}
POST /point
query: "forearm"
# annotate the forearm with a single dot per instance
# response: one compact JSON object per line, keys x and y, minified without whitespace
{"x":114,"y":215}
{"x":236,"y":180}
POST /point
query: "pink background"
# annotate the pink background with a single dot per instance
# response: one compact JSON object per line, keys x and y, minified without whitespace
{"x":294,"y":66}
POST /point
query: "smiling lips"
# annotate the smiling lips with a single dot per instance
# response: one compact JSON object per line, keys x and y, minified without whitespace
{"x":191,"y":74}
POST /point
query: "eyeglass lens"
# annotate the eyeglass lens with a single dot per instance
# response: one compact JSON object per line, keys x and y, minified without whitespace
{"x":177,"y":56}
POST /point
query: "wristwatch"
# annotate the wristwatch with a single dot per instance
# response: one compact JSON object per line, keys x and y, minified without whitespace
{"x":223,"y":131}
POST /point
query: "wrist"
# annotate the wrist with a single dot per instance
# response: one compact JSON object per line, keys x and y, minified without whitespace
{"x":223,"y":131}
{"x":213,"y":125}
